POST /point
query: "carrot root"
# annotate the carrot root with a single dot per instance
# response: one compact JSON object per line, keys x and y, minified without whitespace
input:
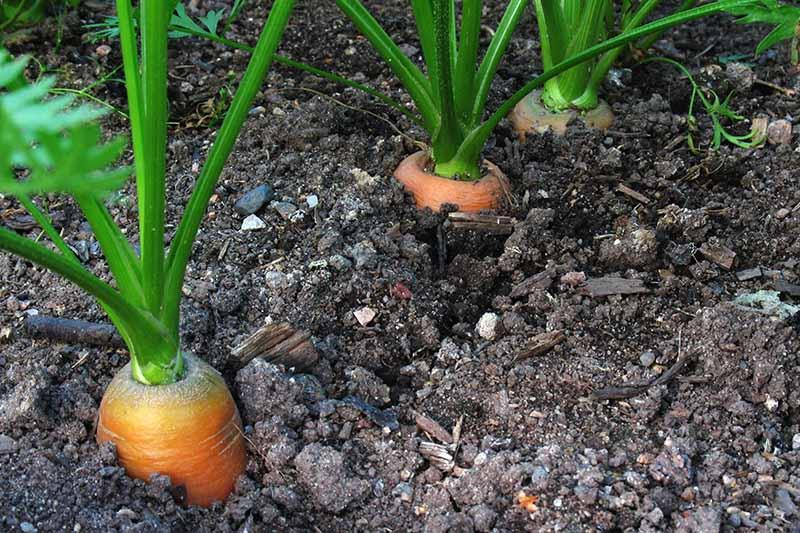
{"x":189,"y":430}
{"x":531,"y":116}
{"x":434,"y":191}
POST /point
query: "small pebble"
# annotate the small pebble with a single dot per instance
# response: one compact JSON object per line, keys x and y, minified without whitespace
{"x":258,"y":110}
{"x":796,"y":441}
{"x":27,"y":527}
{"x":365,"y":315}
{"x":312,"y":201}
{"x":647,"y":358}
{"x":103,"y":50}
{"x":782,"y":213}
{"x":487,"y":326}
{"x":319,"y":263}
{"x":7,"y":445}
{"x":284,"y":209}
{"x":405,"y":491}
{"x":81,"y":249}
{"x":254,"y":199}
{"x":253,"y":223}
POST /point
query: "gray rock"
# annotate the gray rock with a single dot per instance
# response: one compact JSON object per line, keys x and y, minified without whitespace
{"x":81,"y":249}
{"x":27,"y":527}
{"x":321,"y":471}
{"x":254,"y":199}
{"x":784,"y":502}
{"x":404,"y":491}
{"x":7,"y":445}
{"x":284,"y":209}
{"x":647,"y":358}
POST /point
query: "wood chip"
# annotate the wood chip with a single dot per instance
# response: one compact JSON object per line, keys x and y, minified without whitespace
{"x":432,"y":428}
{"x":498,"y":225}
{"x":718,"y":254}
{"x":748,"y":274}
{"x":542,"y":280}
{"x":279,"y":343}
{"x":438,"y":455}
{"x":785,"y":287}
{"x":627,"y":191}
{"x":541,"y":344}
{"x":457,"y":431}
{"x":758,"y":126}
{"x":607,"y":286}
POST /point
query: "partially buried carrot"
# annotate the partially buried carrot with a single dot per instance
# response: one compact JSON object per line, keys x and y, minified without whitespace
{"x":434,"y":191}
{"x":189,"y":430}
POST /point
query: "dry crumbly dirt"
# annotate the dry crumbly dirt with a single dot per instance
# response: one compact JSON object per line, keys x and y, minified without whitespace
{"x":715,"y":449}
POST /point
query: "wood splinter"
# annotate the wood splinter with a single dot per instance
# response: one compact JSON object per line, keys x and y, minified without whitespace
{"x":279,"y":343}
{"x":498,"y":225}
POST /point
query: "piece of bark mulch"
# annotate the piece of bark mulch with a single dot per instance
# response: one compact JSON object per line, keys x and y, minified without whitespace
{"x":607,"y":286}
{"x":497,"y":225}
{"x":749,"y":273}
{"x":438,"y":455}
{"x":73,"y":331}
{"x":541,"y":344}
{"x":781,"y":285}
{"x":542,"y":280}
{"x":432,"y":428}
{"x":279,"y":343}
{"x":718,"y":254}
{"x":627,"y":191}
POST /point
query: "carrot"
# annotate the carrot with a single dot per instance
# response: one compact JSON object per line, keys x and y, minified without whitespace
{"x":531,"y":116}
{"x":433,"y":191}
{"x":189,"y":430}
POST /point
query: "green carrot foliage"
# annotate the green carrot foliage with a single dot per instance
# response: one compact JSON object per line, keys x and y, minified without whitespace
{"x":51,"y":147}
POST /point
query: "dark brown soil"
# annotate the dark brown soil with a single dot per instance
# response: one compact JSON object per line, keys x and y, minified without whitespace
{"x":716,"y":448}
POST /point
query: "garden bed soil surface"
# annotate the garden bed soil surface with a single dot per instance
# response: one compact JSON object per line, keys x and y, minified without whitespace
{"x":339,"y":448}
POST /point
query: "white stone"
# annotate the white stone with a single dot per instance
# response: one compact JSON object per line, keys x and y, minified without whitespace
{"x":365,"y":315}
{"x":771,"y":404}
{"x":253,"y":223}
{"x":487,"y":326}
{"x":312,"y":200}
